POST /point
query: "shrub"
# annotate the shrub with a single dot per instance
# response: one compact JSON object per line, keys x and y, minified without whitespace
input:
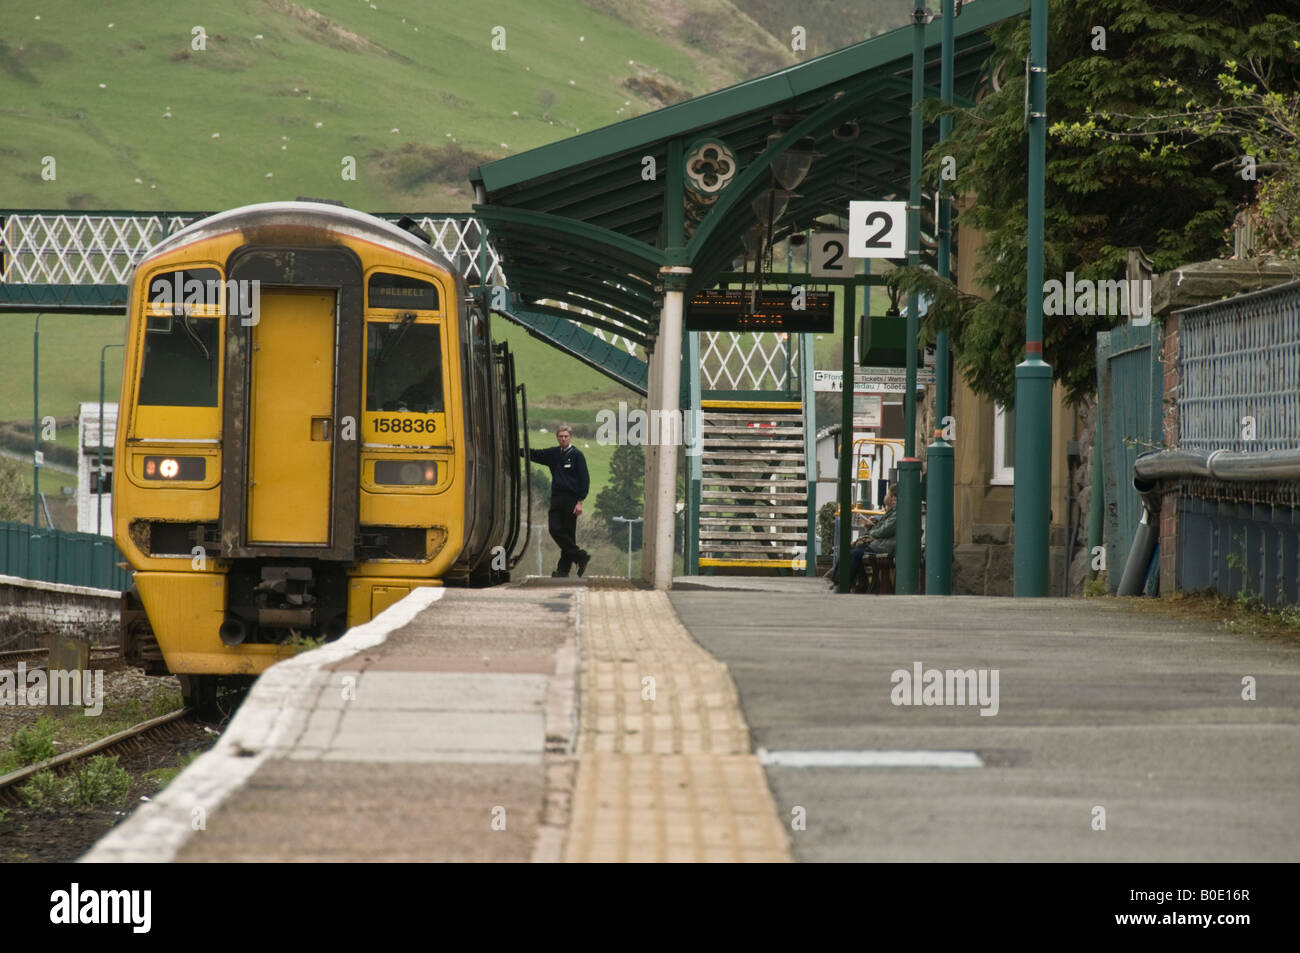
{"x":45,"y":789}
{"x":36,"y":742}
{"x":101,"y":781}
{"x":826,"y":526}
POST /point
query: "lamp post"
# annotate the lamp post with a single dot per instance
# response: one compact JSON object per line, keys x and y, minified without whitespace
{"x":99,"y":465}
{"x":907,"y":557}
{"x":36,"y":425}
{"x":1032,"y":500}
{"x":629,"y":522}
{"x":939,"y":482}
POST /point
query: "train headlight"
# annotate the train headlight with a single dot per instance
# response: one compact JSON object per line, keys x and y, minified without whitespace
{"x":189,"y":469}
{"x":406,"y":472}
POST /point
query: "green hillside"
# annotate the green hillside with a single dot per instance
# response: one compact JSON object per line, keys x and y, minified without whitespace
{"x":135,"y":117}
{"x":117,"y":106}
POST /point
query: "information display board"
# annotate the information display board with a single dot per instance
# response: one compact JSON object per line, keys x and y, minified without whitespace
{"x":775,"y":311}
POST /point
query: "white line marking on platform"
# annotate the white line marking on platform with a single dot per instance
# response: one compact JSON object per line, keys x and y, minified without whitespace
{"x":870,"y":759}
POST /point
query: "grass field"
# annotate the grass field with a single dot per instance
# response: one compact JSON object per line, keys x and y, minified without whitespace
{"x":135,"y":116}
{"x":185,"y":105}
{"x":69,"y":364}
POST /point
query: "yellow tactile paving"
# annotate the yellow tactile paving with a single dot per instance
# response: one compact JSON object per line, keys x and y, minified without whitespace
{"x":665,"y":771}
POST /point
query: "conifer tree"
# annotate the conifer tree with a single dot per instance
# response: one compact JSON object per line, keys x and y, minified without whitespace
{"x":1174,"y":193}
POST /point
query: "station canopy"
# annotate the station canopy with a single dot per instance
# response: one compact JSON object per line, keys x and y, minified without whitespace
{"x":582,"y":222}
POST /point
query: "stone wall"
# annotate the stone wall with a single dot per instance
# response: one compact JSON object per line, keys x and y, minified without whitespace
{"x":30,"y":610}
{"x":986,"y":565}
{"x":1081,"y":557}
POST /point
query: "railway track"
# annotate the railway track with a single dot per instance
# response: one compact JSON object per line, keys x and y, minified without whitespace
{"x":38,"y":658}
{"x":162,"y":730}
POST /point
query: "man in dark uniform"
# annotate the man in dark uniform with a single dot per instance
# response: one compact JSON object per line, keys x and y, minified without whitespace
{"x":569,"y":485}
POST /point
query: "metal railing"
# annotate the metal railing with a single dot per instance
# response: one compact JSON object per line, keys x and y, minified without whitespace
{"x":870,"y":465}
{"x":747,"y":360}
{"x":1240,"y":372}
{"x":101,"y":248}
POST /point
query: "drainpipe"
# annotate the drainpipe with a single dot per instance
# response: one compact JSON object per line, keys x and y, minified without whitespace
{"x":1219,"y":465}
{"x":1144,"y":541}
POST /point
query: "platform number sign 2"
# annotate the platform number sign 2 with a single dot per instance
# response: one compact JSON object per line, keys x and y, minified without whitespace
{"x":830,"y":255}
{"x":877,"y":229}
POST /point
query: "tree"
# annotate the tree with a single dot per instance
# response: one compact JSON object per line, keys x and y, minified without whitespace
{"x":15,"y":500}
{"x":625,"y":494}
{"x":1108,"y":193}
{"x":1263,"y":121}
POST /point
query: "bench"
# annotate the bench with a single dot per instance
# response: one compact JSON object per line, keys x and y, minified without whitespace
{"x":877,"y":575}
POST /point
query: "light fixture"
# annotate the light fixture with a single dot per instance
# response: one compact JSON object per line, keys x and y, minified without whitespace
{"x":847,"y":131}
{"x":791,"y":166}
{"x":770,"y":204}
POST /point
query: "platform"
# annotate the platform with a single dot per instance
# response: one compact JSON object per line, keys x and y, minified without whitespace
{"x":448,"y":729}
{"x":594,"y":722}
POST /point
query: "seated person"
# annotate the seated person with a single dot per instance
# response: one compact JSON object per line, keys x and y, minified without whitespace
{"x":881,"y":539}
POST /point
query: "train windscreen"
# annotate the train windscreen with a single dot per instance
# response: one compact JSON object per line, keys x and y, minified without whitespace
{"x":181,"y":356}
{"x":404,"y":367}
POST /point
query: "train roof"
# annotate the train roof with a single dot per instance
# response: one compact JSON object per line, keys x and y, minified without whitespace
{"x":311,"y":215}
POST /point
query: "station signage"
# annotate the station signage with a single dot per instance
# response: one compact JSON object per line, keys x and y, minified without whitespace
{"x":877,"y":230}
{"x":867,"y":412}
{"x":775,"y":311}
{"x":871,"y":380}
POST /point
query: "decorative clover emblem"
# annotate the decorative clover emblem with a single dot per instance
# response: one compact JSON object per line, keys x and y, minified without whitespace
{"x":710,"y":167}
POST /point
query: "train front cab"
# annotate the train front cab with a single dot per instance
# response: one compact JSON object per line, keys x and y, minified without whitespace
{"x":267,"y":496}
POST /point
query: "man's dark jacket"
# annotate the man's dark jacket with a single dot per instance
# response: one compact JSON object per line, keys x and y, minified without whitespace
{"x":568,"y":471}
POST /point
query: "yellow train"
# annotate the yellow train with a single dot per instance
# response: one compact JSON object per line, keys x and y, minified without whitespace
{"x":314,"y":420}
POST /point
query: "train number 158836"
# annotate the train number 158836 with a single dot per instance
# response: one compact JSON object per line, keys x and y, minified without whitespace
{"x":403,"y":424}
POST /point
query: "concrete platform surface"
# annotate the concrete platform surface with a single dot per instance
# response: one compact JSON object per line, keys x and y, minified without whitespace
{"x":1104,"y":715}
{"x":422,"y":735}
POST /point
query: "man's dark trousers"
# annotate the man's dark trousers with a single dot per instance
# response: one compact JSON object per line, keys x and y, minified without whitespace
{"x":563,"y":523}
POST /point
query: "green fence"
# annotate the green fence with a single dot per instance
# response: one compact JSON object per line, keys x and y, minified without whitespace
{"x":1130,"y":380}
{"x":51,"y":555}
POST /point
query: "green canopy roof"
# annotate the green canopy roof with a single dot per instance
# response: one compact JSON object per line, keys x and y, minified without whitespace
{"x":579,"y":222}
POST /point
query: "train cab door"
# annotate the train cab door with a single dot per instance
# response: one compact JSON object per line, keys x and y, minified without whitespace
{"x":291,"y":418}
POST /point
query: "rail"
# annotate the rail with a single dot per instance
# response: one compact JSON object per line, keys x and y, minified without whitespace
{"x":148,"y":731}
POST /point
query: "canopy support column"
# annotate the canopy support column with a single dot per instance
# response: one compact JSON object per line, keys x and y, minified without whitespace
{"x":665,"y":403}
